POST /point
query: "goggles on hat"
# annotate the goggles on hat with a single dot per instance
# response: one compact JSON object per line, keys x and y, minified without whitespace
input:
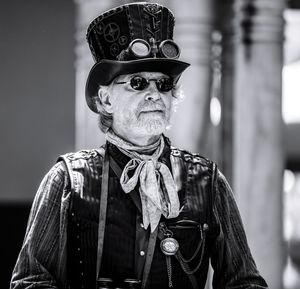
{"x":163,"y":84}
{"x":140,"y":48}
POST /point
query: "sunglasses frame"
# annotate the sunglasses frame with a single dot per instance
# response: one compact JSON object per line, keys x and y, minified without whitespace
{"x":147,"y":83}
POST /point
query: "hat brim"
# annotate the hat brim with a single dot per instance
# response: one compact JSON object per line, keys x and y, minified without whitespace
{"x":103,"y":72}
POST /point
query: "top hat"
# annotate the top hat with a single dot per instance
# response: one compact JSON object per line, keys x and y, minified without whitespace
{"x":131,"y":38}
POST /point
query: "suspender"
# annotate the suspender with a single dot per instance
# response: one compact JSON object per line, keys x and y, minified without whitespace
{"x":102,"y":211}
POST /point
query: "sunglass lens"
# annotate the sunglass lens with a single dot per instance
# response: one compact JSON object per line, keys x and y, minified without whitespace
{"x":165,"y":84}
{"x":138,"y":83}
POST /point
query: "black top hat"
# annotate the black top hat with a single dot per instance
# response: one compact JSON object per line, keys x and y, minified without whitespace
{"x":128,"y":39}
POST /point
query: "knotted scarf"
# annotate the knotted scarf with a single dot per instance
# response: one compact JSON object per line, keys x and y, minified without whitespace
{"x":152,"y":175}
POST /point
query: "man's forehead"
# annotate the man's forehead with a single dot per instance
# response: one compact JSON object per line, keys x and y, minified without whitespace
{"x":146,"y":74}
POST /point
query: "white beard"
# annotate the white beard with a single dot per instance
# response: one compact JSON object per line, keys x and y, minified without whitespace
{"x":141,"y":124}
{"x":150,"y":124}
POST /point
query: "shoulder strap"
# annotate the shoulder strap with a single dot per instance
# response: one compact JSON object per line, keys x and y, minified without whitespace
{"x":102,"y":211}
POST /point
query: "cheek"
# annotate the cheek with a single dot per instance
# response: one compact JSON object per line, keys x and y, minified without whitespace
{"x":124,"y":113}
{"x":168,"y":101}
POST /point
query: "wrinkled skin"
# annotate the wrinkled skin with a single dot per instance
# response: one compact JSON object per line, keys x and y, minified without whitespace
{"x":138,"y":116}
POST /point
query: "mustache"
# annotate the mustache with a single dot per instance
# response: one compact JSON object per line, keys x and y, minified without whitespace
{"x":150,"y":105}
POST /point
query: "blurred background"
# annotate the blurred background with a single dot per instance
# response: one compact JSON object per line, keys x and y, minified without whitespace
{"x":241,"y":109}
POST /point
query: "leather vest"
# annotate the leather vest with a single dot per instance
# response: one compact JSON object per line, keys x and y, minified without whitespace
{"x":194,"y":177}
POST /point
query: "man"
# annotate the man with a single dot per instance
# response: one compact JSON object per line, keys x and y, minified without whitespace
{"x":136,"y":212}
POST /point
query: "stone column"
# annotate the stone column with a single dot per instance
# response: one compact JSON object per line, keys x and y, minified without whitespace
{"x":225,"y":25}
{"x":87,"y":134}
{"x":258,"y":149}
{"x":193,"y":30}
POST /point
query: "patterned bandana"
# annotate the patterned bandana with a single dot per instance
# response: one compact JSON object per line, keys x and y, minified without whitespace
{"x":152,"y":174}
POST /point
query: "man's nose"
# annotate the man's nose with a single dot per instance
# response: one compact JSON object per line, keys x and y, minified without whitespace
{"x":152,"y":92}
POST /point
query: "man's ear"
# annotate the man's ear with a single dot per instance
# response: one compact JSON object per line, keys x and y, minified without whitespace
{"x":104,"y":99}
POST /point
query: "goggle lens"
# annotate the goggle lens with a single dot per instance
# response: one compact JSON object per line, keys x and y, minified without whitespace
{"x":140,"y":48}
{"x":169,"y":49}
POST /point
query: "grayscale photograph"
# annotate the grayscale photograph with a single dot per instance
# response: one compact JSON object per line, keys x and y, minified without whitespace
{"x":150,"y":144}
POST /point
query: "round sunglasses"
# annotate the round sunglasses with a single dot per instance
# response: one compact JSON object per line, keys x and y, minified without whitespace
{"x":163,"y":84}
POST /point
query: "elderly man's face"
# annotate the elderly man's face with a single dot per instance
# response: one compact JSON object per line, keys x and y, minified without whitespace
{"x":138,"y":113}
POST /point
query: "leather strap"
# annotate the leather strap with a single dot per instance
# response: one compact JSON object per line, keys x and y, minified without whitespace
{"x":102,"y":210}
{"x":149,"y":257}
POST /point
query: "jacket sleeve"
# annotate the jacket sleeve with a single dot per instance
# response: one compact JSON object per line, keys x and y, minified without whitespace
{"x":231,"y":258}
{"x":41,"y":261}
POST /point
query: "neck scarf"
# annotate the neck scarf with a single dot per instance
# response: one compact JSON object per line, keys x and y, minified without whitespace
{"x":152,"y":175}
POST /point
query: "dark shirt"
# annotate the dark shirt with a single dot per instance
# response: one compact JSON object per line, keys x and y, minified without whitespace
{"x":48,"y":259}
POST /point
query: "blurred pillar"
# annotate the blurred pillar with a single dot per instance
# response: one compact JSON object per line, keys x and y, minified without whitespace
{"x":88,"y":134}
{"x":258,"y":149}
{"x":193,"y":30}
{"x":224,"y":24}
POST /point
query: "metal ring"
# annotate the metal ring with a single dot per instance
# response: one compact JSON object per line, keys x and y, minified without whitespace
{"x":169,"y":49}
{"x":137,"y":46}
